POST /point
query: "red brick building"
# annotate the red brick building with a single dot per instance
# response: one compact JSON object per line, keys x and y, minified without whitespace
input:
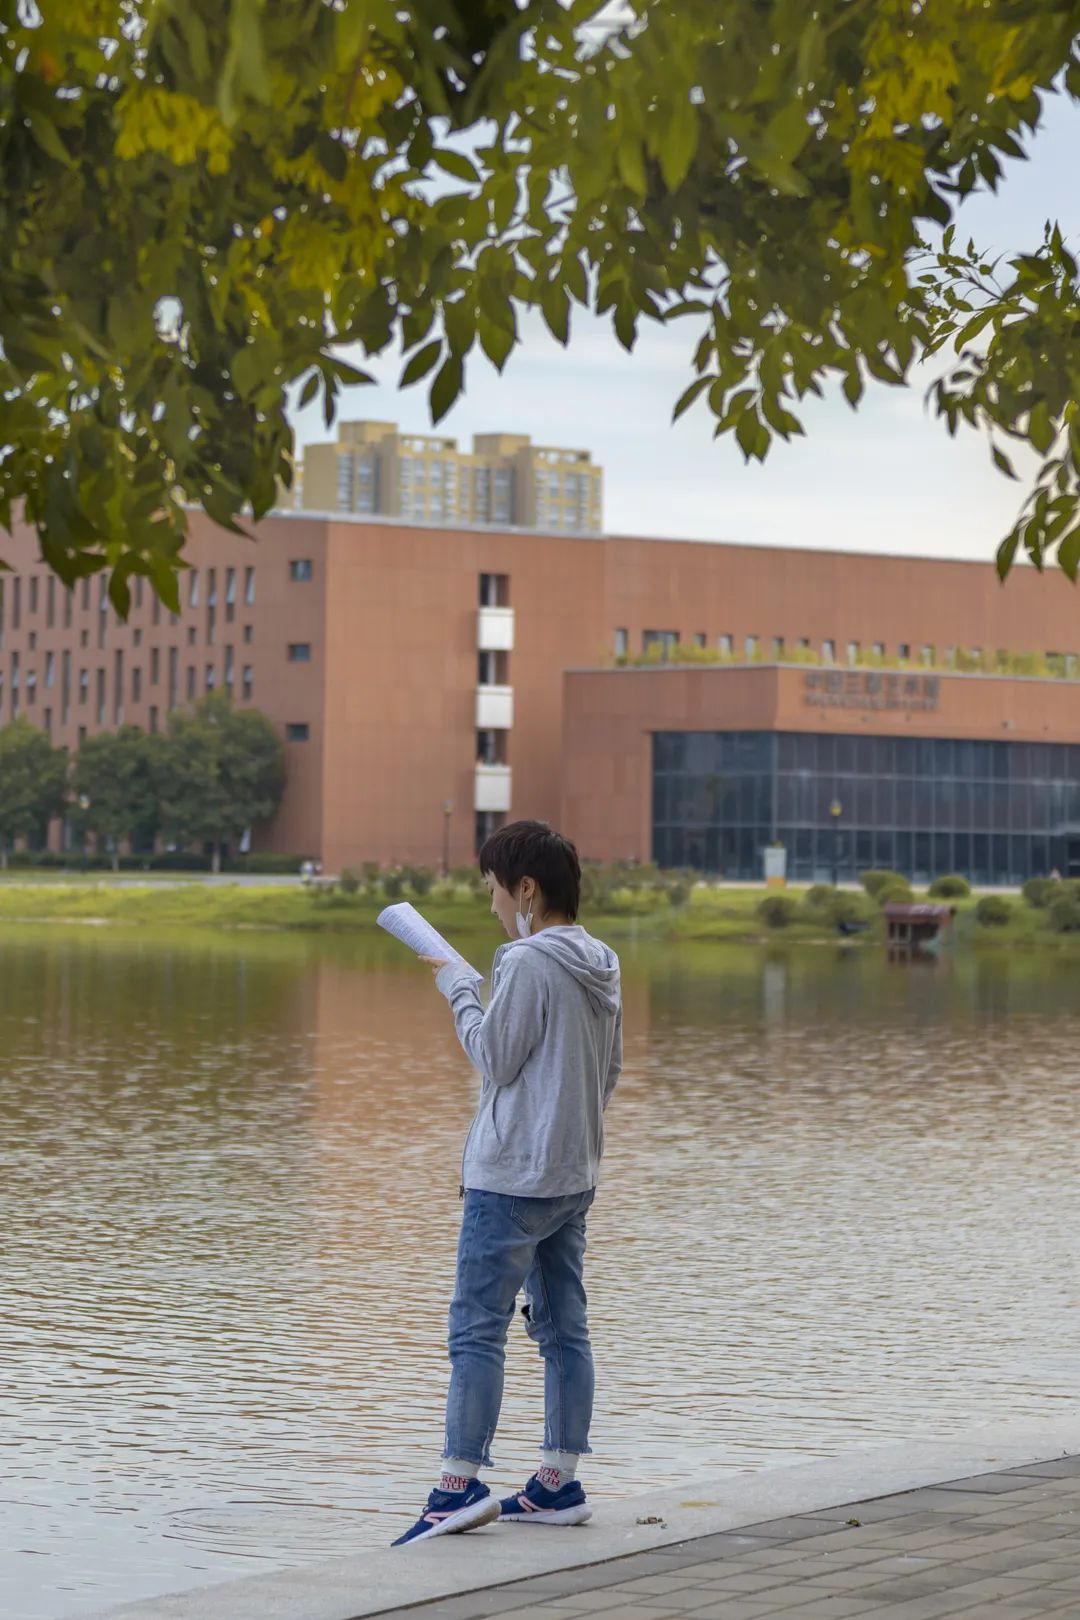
{"x":413,"y":666}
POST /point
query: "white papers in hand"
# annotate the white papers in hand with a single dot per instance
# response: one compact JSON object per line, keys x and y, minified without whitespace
{"x":413,"y":930}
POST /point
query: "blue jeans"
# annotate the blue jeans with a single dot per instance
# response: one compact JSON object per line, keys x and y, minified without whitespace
{"x":506,"y":1244}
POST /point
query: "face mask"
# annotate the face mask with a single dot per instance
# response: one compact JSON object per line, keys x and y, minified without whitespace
{"x":524,"y":924}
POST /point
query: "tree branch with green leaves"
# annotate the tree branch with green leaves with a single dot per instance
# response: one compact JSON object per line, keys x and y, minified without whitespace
{"x":208,"y":203}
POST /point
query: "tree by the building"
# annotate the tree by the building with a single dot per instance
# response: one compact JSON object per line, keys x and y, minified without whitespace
{"x":32,"y":784}
{"x":219,"y":771}
{"x":203,"y":203}
{"x":114,"y":788}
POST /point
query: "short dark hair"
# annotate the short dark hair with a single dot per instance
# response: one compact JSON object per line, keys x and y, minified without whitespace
{"x":531,"y":849}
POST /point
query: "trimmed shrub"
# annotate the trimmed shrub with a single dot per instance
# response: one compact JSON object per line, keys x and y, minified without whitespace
{"x":897,"y":892}
{"x":1039,"y":891}
{"x":950,"y":887}
{"x":678,"y":892}
{"x":874,"y":881}
{"x":419,"y":879}
{"x":820,"y":897}
{"x":777,"y":910}
{"x":1063,"y":913}
{"x":393,"y":885}
{"x":350,"y":881}
{"x":993,"y":910}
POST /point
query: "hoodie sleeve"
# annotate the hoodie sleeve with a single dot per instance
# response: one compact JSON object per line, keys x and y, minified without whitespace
{"x":615,"y":1063}
{"x":498,"y":1041}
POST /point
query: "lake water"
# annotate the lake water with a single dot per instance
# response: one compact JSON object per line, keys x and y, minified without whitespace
{"x":840,"y":1205}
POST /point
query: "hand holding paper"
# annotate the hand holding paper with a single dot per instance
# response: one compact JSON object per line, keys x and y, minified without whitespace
{"x":413,"y":930}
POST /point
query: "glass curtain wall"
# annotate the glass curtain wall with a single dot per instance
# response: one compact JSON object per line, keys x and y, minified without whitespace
{"x":998,"y":812}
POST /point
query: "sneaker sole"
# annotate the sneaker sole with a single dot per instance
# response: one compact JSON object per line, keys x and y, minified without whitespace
{"x":470,"y":1518}
{"x":570,"y":1515}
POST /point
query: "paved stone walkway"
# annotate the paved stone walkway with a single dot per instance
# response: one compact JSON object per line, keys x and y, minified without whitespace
{"x":992,"y":1547}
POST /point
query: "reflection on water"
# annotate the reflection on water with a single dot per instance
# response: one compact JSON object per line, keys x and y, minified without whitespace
{"x":839,"y":1206}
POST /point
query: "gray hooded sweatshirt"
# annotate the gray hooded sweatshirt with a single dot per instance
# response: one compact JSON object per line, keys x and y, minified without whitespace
{"x":549,"y":1050}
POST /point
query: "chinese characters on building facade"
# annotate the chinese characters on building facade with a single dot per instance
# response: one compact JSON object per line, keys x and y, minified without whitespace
{"x":869,"y":689}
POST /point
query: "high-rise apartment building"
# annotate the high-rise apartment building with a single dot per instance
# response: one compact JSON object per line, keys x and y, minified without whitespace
{"x":505,"y":480}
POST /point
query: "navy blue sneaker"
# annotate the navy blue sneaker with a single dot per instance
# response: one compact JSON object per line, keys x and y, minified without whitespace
{"x":448,"y":1512}
{"x":537,"y":1505}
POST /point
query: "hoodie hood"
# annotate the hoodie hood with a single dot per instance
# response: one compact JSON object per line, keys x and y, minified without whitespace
{"x":592,"y":963}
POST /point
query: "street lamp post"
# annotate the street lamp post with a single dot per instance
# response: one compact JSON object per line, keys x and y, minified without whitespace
{"x":447,"y":810}
{"x":836,"y":810}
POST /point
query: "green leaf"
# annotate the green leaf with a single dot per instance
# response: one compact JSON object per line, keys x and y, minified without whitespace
{"x":1069,"y":553}
{"x":678,"y":144}
{"x":1002,"y":462}
{"x":332,"y":155}
{"x":455,"y":163}
{"x":630,"y":161}
{"x":688,"y":396}
{"x":421,"y":363}
{"x":309,"y":390}
{"x":496,"y":342}
{"x":47,"y":137}
{"x":446,"y":387}
{"x":555,"y":306}
{"x":853,"y":388}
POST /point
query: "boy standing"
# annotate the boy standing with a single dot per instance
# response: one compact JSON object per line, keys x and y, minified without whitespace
{"x":549,"y":1050}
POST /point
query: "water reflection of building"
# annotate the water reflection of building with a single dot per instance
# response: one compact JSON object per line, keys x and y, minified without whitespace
{"x":415,"y":665}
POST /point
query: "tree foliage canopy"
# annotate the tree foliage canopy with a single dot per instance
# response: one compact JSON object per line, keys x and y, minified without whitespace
{"x":113,"y":785}
{"x":204,"y":201}
{"x":32,"y":782}
{"x":217,"y":772}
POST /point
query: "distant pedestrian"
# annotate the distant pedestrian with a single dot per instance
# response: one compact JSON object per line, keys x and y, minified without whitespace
{"x":549,"y":1050}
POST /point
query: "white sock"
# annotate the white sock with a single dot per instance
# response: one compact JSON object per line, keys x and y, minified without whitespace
{"x":457,"y":1475}
{"x":557,"y":1468}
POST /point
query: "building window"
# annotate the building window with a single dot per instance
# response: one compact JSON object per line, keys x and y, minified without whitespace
{"x":804,"y":643}
{"x":248,"y":684}
{"x":136,"y":686}
{"x":155,"y":665}
{"x":118,"y":687}
{"x":726,"y":645}
{"x":622,"y":643}
{"x":31,"y":688}
{"x":193,"y":588}
{"x":751,"y":646}
{"x":700,"y":639}
{"x":84,"y":685}
{"x":828,"y":652}
{"x":48,"y":720}
{"x":903,"y":651}
{"x":664,"y":639}
{"x":300,"y":569}
{"x":68,"y":597}
{"x":249,"y":586}
{"x":229,"y":670}
{"x":153,"y":717}
{"x":84,"y":638}
{"x":174,"y":676}
{"x":139,"y":591}
{"x":853,"y":652}
{"x":32,"y":640}
{"x":926,"y":654}
{"x":101,"y":697}
{"x":230,"y":595}
{"x":65,"y":686}
{"x":879,"y":649}
{"x":155,"y":611}
{"x":247,"y":634}
{"x":494,"y":590}
{"x":778,"y":646}
{"x":50,"y":601}
{"x":211,"y":623}
{"x":33,"y":593}
{"x":16,"y":602}
{"x":190,"y":682}
{"x":299,"y":652}
{"x":50,"y":668}
{"x":297,"y":732}
{"x":210,"y":677}
{"x":191,"y":636}
{"x":136,"y":638}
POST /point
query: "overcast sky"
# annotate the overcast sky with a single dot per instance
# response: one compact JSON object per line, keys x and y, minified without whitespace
{"x":888,"y":478}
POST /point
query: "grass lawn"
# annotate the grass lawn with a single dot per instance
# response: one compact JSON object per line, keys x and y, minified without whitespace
{"x":719,"y":914}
